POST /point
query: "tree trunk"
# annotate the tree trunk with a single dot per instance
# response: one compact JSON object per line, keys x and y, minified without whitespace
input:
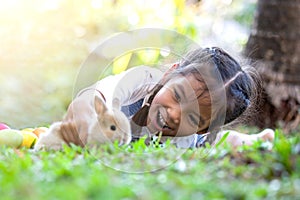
{"x":274,"y":43}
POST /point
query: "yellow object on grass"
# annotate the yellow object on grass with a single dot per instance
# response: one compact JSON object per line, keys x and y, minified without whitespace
{"x":11,"y":138}
{"x":40,"y":130}
{"x":29,"y":139}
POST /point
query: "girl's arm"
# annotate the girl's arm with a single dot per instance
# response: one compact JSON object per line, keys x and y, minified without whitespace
{"x":236,"y":139}
{"x":123,"y":88}
{"x":129,"y":86}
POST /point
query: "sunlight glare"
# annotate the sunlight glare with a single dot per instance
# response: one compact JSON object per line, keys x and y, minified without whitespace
{"x":97,"y":4}
{"x":227,"y":2}
{"x":49,"y":5}
{"x":133,"y":19}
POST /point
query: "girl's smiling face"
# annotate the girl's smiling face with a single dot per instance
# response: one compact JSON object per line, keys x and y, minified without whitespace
{"x":180,"y":108}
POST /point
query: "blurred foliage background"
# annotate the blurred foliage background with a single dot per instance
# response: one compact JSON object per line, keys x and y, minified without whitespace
{"x":44,"y":42}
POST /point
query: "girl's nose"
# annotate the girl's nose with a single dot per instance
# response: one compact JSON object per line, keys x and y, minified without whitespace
{"x":174,"y":114}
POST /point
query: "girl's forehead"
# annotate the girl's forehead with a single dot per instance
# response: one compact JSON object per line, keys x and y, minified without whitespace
{"x":189,"y":83}
{"x":195,"y":92}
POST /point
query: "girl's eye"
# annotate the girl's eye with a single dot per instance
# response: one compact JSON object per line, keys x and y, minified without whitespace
{"x":193,"y":120}
{"x":177,"y":96}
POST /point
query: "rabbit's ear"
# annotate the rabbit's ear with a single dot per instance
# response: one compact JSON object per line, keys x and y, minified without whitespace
{"x":100,"y":106}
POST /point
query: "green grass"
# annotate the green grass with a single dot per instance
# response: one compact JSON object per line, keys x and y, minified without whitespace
{"x":154,"y":172}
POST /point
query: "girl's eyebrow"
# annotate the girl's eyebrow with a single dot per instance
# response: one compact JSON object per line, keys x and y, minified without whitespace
{"x":181,"y":89}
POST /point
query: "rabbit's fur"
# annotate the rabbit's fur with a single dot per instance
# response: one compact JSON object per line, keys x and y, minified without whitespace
{"x":110,"y":125}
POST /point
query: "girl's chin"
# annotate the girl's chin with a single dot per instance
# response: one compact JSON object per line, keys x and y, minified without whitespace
{"x":154,"y":128}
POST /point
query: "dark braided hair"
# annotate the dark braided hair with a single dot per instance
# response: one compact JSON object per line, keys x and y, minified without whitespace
{"x":213,"y":67}
{"x":239,"y":85}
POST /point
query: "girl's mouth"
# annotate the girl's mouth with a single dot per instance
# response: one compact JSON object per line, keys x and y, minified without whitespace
{"x":161,"y":122}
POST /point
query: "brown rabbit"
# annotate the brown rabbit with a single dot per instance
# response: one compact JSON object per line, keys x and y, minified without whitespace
{"x":109,"y":126}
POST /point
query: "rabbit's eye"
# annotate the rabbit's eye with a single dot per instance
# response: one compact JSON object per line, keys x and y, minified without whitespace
{"x":113,"y":127}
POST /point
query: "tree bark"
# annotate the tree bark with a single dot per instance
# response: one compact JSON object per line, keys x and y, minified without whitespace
{"x":274,"y":43}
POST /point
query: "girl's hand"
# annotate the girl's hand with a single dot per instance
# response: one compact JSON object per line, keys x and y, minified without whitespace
{"x":70,"y":133}
{"x":238,"y":139}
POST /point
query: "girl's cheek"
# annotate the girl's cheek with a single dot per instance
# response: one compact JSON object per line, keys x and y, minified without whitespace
{"x":186,"y":128}
{"x":162,"y":97}
{"x":157,"y":99}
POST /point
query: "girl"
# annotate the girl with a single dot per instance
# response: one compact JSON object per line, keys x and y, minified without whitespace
{"x":188,"y":104}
